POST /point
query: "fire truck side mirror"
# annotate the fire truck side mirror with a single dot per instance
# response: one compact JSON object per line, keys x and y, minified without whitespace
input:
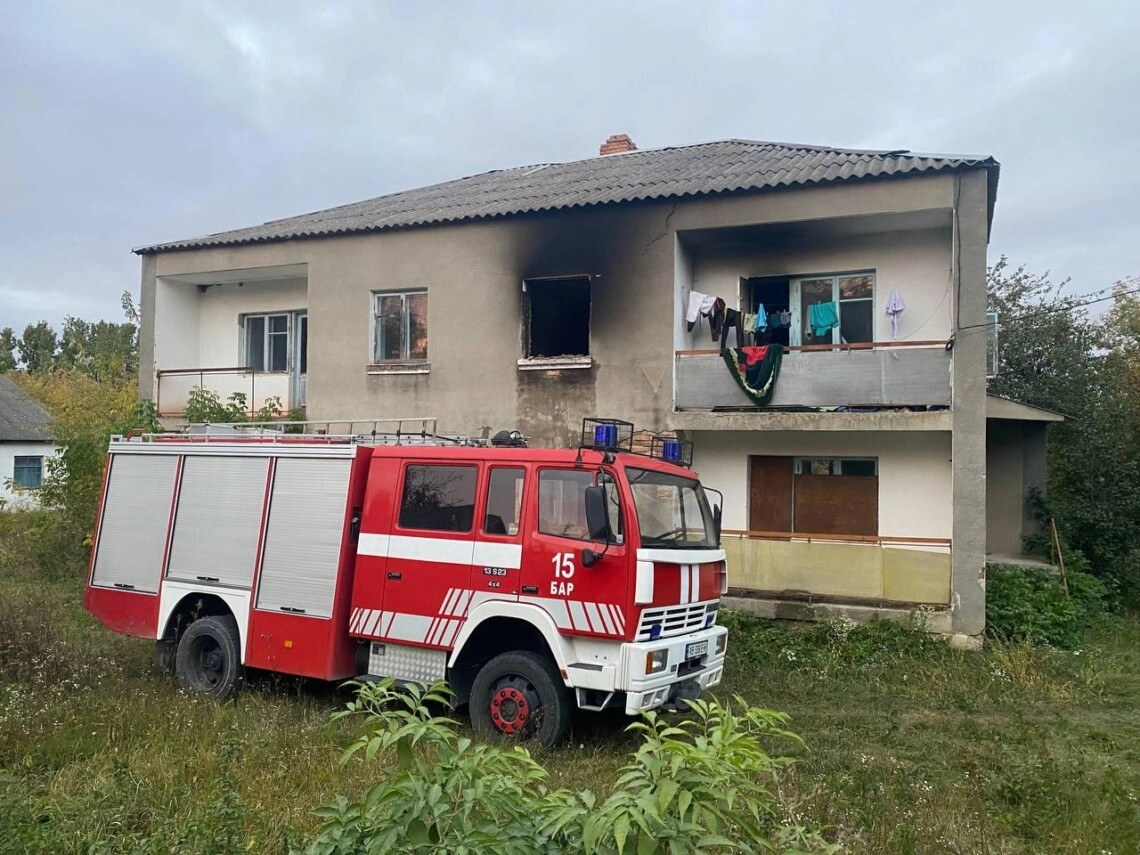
{"x":597,"y":521}
{"x":716,"y":523}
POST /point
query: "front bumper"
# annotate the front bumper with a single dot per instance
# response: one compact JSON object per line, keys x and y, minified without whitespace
{"x":649,"y":691}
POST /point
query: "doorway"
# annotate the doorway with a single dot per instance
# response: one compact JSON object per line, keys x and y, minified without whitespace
{"x":300,"y":358}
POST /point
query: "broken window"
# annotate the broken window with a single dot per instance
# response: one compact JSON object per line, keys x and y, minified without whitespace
{"x":400,"y":332}
{"x":267,"y":342}
{"x":557,"y":317}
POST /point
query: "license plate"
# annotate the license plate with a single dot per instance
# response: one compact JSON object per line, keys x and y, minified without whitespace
{"x":697,"y":648}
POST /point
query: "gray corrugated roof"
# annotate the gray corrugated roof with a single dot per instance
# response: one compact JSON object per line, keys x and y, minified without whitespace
{"x":22,"y":419}
{"x":707,"y":168}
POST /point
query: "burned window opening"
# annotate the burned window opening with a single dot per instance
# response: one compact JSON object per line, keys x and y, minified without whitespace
{"x":556,"y":319}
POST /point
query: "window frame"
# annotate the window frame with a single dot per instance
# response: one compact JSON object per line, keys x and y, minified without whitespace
{"x":520,"y":500}
{"x":405,"y":359}
{"x":266,"y":338}
{"x":837,"y":465}
{"x":563,"y":361}
{"x":16,"y":468}
{"x":795,"y":295}
{"x":538,"y":522}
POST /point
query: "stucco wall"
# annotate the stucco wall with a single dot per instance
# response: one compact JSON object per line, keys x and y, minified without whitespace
{"x":220,"y":310}
{"x":915,"y":481}
{"x":9,"y":451}
{"x":916,"y":263}
{"x":473,"y":273}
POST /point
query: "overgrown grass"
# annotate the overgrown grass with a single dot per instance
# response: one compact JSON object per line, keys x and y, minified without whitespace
{"x":909,"y":746}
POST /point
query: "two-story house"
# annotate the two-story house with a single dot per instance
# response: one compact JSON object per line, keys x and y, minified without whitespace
{"x":531,"y":297}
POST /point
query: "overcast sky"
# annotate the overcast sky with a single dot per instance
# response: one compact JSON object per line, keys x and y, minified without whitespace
{"x":127,"y":123}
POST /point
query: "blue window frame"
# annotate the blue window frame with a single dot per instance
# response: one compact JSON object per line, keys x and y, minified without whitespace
{"x":28,"y":473}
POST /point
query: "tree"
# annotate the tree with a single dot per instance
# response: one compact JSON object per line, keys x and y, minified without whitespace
{"x":1053,"y":354}
{"x":7,"y":350}
{"x":102,"y":350}
{"x":38,"y":347}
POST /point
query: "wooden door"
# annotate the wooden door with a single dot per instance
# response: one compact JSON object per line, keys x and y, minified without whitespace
{"x":770,"y":494}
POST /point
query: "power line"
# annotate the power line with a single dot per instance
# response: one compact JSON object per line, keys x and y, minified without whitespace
{"x":1065,"y":308}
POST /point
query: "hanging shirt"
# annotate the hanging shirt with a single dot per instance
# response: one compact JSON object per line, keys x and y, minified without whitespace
{"x":699,"y":304}
{"x":895,"y":307}
{"x":823,"y":317}
{"x":759,"y":320}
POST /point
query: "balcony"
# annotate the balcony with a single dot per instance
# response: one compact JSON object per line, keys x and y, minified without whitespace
{"x":860,"y":378}
{"x":173,"y":386}
{"x":880,"y":571}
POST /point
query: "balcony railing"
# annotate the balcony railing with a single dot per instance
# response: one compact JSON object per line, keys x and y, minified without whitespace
{"x":875,"y":374}
{"x":839,"y":568}
{"x":173,"y":385}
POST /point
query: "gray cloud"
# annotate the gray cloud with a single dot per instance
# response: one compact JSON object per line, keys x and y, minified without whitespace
{"x":146,"y":122}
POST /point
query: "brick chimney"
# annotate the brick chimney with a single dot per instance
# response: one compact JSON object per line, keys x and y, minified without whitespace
{"x":616,"y":144}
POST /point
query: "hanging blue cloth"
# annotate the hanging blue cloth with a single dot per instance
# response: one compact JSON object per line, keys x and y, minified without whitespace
{"x":823,"y":317}
{"x":761,"y":319}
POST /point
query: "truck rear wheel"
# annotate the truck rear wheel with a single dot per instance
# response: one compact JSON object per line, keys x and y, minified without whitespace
{"x":519,"y":695}
{"x":209,"y":657}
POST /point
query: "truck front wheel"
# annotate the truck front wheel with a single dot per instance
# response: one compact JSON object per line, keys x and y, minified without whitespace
{"x":519,"y":695}
{"x":209,"y":657}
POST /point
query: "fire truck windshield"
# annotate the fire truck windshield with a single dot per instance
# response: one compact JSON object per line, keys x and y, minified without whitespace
{"x":672,"y":511}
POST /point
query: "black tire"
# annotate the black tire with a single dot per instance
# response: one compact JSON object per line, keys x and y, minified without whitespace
{"x":520,"y":695}
{"x":209,"y":657}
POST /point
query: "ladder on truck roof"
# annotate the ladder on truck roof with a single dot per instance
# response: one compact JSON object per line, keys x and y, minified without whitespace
{"x":392,"y":431}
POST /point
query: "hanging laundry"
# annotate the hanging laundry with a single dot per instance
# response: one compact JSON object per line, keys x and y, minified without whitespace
{"x":749,"y":320}
{"x":716,"y":317}
{"x":822,"y":318}
{"x":699,"y":304}
{"x":732,"y":318}
{"x":785,"y":318}
{"x":760,"y":321}
{"x":776,"y":319}
{"x":895,"y":307}
{"x":755,"y":369}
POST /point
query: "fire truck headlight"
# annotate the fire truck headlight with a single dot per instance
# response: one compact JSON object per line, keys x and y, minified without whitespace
{"x":656,"y":661}
{"x":721,"y":643}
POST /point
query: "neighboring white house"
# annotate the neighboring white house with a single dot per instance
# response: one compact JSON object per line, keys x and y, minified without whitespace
{"x":26,"y":444}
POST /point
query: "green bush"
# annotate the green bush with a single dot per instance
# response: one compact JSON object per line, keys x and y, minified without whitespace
{"x":1026,"y":604}
{"x":700,"y":786}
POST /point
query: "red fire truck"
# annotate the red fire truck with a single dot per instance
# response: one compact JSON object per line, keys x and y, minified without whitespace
{"x":531,"y":580}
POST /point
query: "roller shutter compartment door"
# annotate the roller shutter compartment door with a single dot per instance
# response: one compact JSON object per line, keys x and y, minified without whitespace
{"x":303,"y":538}
{"x":218,"y":522}
{"x":136,"y":514}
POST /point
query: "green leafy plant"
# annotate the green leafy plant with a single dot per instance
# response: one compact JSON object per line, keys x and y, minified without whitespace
{"x":703,"y":785}
{"x":1027,"y":604}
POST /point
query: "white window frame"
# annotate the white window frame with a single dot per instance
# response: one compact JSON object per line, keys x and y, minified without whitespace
{"x":415,"y":364}
{"x":796,"y":304}
{"x":265,"y":316}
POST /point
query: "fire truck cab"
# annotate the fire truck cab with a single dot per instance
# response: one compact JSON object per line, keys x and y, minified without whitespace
{"x":531,"y":580}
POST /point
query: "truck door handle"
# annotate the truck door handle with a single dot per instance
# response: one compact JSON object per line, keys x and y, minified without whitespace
{"x":395,"y":577}
{"x":530,"y":589}
{"x":207,"y":578}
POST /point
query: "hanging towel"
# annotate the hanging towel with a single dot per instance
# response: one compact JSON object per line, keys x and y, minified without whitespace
{"x":761,"y":322}
{"x":755,"y":369}
{"x":895,"y":307}
{"x":699,"y":304}
{"x":822,"y":317}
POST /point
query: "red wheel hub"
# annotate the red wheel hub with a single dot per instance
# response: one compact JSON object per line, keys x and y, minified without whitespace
{"x":510,"y":710}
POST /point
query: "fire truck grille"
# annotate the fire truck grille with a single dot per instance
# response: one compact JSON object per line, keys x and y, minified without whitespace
{"x":675,"y":620}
